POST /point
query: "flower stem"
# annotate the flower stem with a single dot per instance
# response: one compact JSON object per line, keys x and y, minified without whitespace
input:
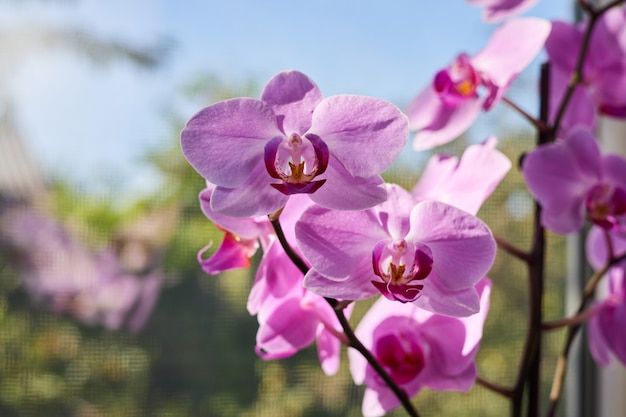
{"x":529,"y":369}
{"x":497,"y":388}
{"x":511,"y":249}
{"x":572,"y":331}
{"x":338,"y":307}
{"x":577,"y":319}
{"x":578,"y":76}
{"x":539,"y":125}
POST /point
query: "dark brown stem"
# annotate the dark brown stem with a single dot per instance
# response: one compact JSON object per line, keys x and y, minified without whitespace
{"x":497,"y":388}
{"x":512,"y":250}
{"x":561,"y":367}
{"x":338,"y":307}
{"x":529,"y":375}
{"x":606,"y":7}
{"x":538,"y":124}
{"x":569,"y":321}
{"x":578,"y":76}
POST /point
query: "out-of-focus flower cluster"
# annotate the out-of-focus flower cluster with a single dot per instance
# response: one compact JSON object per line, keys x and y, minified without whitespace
{"x":115,"y":287}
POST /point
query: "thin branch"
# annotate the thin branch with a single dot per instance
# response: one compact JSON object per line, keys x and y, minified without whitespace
{"x":529,"y":369}
{"x":512,"y":249}
{"x":492,"y":386}
{"x":539,"y":125}
{"x":295,"y":258}
{"x":559,"y":373}
{"x":578,"y":76}
{"x":577,"y":319}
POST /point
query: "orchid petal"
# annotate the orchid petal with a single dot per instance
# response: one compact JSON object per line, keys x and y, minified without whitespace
{"x":211,"y":136}
{"x":278,"y":337}
{"x":468,"y":184}
{"x":462,"y":245}
{"x":342,"y":191}
{"x":559,"y":175}
{"x":355,"y":287}
{"x":441,"y":300}
{"x":254,"y":197}
{"x":246,"y":228}
{"x":230,"y":255}
{"x":511,"y":49}
{"x":436,"y":122}
{"x":356,"y":128}
{"x":499,"y":10}
{"x":334,"y":242}
{"x":293,"y":96}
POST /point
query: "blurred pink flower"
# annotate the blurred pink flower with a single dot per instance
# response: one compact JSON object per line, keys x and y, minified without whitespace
{"x":61,"y":273}
{"x":606,"y":328}
{"x":604,"y":70}
{"x":464,"y":183}
{"x":572,"y":181}
{"x":447,"y":107}
{"x":498,"y":10}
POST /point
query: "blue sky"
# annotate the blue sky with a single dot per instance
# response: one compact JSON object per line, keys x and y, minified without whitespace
{"x":91,"y":124}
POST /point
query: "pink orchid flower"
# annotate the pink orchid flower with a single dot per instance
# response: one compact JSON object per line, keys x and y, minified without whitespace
{"x":606,"y":328}
{"x":292,"y":318}
{"x":572,"y":181}
{"x":499,"y":10}
{"x":604,"y":70}
{"x":241,"y":238}
{"x":464,"y":183}
{"x":428,"y":253}
{"x":418,"y":349}
{"x":447,"y":107}
{"x":293,"y":141}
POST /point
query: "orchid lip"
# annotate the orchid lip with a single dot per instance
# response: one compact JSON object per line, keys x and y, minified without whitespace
{"x":605,"y":205}
{"x":458,"y":82}
{"x":296,"y":161}
{"x":399,"y":264}
{"x":401,"y":356}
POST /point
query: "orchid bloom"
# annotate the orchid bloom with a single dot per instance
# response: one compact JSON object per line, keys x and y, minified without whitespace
{"x":290,"y":317}
{"x":499,"y":10}
{"x":417,"y":349}
{"x":241,"y":238}
{"x":572,"y":181}
{"x":428,"y":253}
{"x":606,"y":328}
{"x":464,"y":183}
{"x":604,"y":70}
{"x":293,"y":141}
{"x":447,"y":107}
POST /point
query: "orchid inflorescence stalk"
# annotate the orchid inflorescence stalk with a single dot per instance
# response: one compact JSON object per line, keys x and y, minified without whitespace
{"x":298,"y":175}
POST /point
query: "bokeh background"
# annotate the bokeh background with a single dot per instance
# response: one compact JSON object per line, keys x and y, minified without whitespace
{"x":104,"y":310}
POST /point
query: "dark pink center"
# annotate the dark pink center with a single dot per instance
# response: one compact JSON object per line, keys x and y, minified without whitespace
{"x":605,"y":205}
{"x":401,"y":356}
{"x":296,"y":161}
{"x":402,"y":266}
